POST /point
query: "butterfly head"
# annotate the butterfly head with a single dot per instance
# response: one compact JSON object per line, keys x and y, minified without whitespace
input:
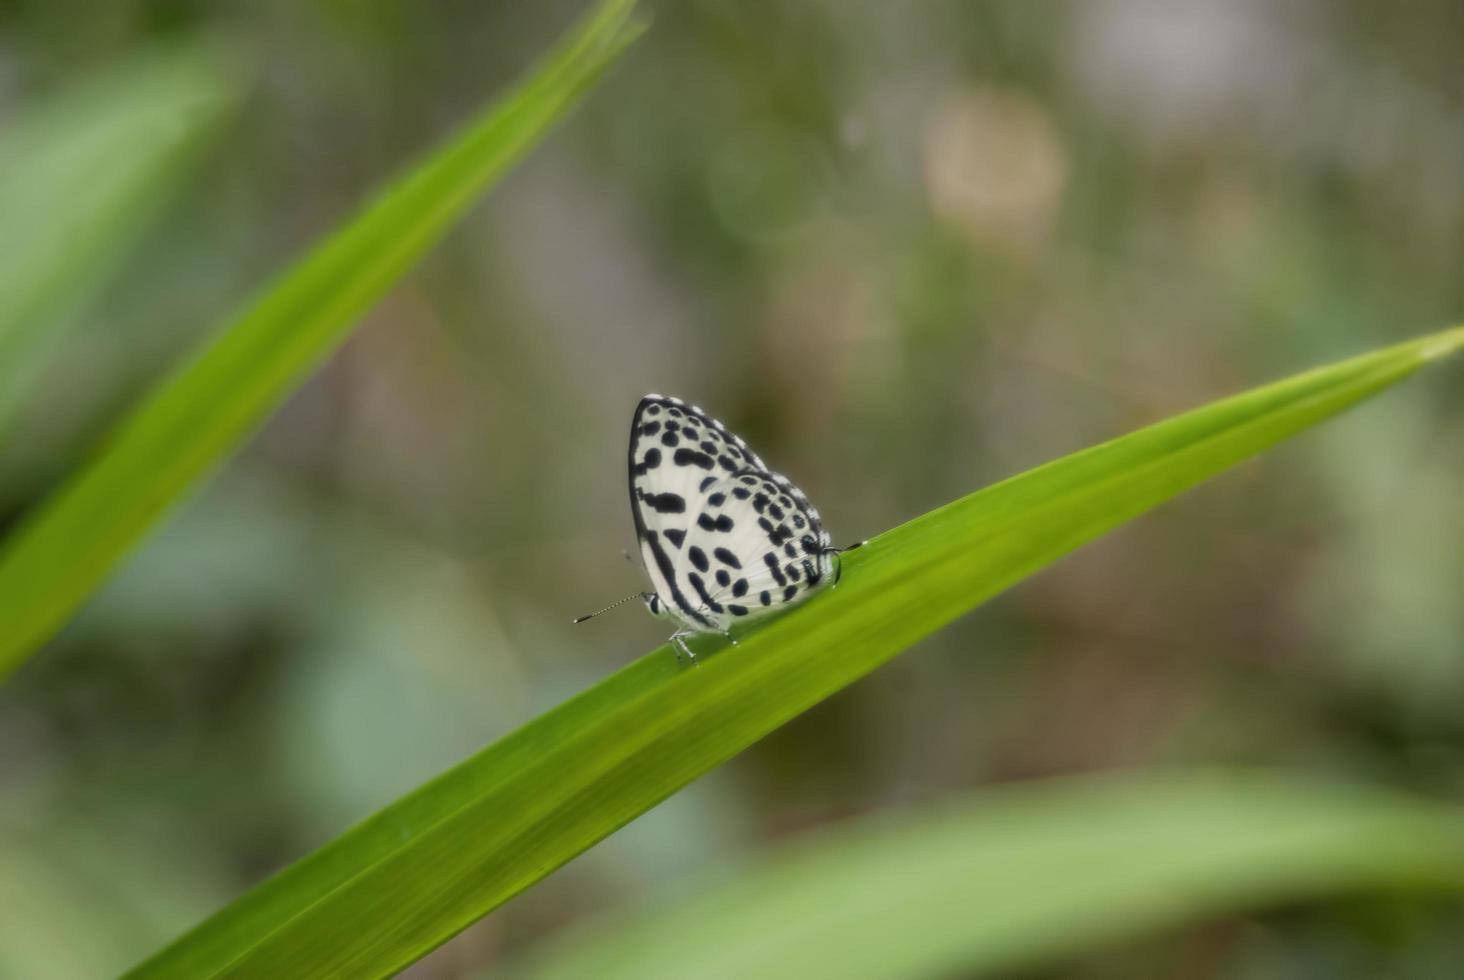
{"x":655,"y":605}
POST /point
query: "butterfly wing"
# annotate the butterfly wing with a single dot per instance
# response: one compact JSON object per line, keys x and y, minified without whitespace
{"x":677,"y":453}
{"x":721,"y":535}
{"x":756,"y":547}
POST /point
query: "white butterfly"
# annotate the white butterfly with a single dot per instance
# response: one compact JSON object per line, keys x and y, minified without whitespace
{"x":723,"y":538}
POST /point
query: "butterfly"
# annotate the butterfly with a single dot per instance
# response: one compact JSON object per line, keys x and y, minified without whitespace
{"x":722,"y":537}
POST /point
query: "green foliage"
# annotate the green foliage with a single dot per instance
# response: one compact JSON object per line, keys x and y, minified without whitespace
{"x":425,"y":867}
{"x":79,"y":176}
{"x":194,"y":419}
{"x":1021,"y":877}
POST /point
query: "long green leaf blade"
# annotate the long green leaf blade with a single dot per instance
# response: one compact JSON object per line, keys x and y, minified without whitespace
{"x":423,"y":868}
{"x":192,"y":421}
{"x":1020,"y":877}
{"x":79,"y":174}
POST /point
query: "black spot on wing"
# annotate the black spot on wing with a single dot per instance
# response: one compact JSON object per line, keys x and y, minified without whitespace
{"x":665,"y":503}
{"x":771,"y":560}
{"x":716,"y":500}
{"x":675,"y":535}
{"x":650,"y":428}
{"x":701,"y":590}
{"x":706,"y":482}
{"x":690,"y":457}
{"x":765,"y":597}
{"x":723,"y":579}
{"x":668,"y":573}
{"x":739,"y":588}
{"x":741,"y":493}
{"x":670,"y":439}
{"x":726,"y":557}
{"x":698,"y":557}
{"x":789,"y":593}
{"x":737,"y":610}
{"x":650,"y":461}
{"x":721,"y":523}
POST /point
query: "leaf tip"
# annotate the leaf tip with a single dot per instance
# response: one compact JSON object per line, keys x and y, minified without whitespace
{"x":1442,"y":344}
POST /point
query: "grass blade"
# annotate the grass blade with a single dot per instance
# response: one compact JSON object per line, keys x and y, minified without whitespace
{"x":78,"y":177}
{"x":1020,"y":877}
{"x":196,"y":418}
{"x":426,"y":866}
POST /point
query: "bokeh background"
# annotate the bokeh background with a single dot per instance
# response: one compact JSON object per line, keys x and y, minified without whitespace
{"x":906,"y":250}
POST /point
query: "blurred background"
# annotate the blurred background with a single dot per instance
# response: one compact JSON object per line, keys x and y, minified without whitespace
{"x":906,"y":250}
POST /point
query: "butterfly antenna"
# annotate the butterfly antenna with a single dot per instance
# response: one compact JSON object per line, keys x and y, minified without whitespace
{"x":621,"y":602}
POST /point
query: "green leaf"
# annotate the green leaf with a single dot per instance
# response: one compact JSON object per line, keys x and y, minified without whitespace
{"x":79,"y":175}
{"x":1020,"y":877}
{"x":425,"y":867}
{"x":196,"y":418}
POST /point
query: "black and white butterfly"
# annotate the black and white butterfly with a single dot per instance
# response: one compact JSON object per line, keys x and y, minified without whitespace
{"x":723,"y":538}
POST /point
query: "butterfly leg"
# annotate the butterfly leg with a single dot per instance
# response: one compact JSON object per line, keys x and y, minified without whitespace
{"x":838,"y":566}
{"x":683,"y":652}
{"x":838,"y":554}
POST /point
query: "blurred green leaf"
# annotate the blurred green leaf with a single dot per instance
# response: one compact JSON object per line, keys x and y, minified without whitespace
{"x":197,"y":417}
{"x":420,"y":870}
{"x":67,"y":875}
{"x":79,"y":175}
{"x":1019,"y":877}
